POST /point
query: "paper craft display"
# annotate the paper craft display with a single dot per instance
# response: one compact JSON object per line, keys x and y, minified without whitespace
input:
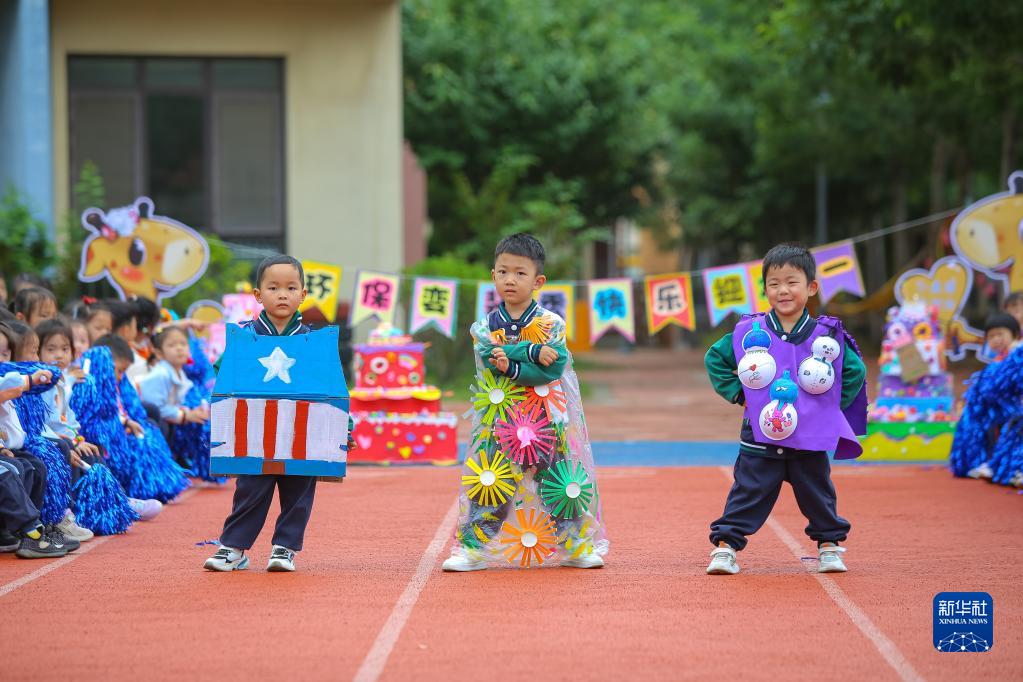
{"x":945,"y":288}
{"x":322,"y":282}
{"x":567,"y":489}
{"x":487,"y":299}
{"x":240,"y":308}
{"x":280,"y":406}
{"x":838,"y":270}
{"x":757,"y":366}
{"x":816,"y":374}
{"x":778,"y":419}
{"x":559,"y":298}
{"x":140,"y":253}
{"x":434,"y":303}
{"x":669,"y":300}
{"x":527,"y":437}
{"x":727,"y":290}
{"x":532,"y":540}
{"x":398,"y":417}
{"x":376,"y":295}
{"x":755,"y":277}
{"x":986,"y":234}
{"x":611,"y":308}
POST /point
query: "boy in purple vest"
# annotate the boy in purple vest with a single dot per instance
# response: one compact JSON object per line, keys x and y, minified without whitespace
{"x":801,"y":382}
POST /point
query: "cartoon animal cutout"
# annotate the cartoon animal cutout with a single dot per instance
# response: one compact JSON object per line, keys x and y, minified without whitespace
{"x":988,"y":234}
{"x":945,"y":287}
{"x":140,"y":253}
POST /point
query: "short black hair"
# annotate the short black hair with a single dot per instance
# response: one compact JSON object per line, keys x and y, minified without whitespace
{"x":32,"y":279}
{"x":119,"y":348}
{"x":30,"y":298}
{"x":5,"y":314}
{"x":1014,"y":297}
{"x":86,"y":308}
{"x":281,"y":259}
{"x":23,"y":332}
{"x":525,"y":245}
{"x":791,"y":253}
{"x":146,"y":313}
{"x":121,"y":313}
{"x":1002,"y":321}
{"x":161,"y":338}
{"x":48,"y":328}
{"x":13,"y":337}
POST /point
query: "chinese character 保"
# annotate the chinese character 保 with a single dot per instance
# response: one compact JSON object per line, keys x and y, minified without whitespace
{"x":729,"y":291}
{"x":376,"y":294}
{"x":668,"y":299}
{"x":318,"y":284}
{"x":610,"y":303}
{"x":435,"y":300}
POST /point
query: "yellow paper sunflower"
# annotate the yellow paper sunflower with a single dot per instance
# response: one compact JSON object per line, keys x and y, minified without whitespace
{"x":533,"y":540}
{"x":537,"y":331}
{"x":495,"y":395}
{"x":493,"y":481}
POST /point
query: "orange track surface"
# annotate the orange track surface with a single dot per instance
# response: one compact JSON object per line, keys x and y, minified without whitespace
{"x":139,"y":606}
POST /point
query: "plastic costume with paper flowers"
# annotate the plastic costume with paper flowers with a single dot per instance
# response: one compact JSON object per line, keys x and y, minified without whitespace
{"x":32,"y":411}
{"x":529,"y":492}
{"x":192,"y":441}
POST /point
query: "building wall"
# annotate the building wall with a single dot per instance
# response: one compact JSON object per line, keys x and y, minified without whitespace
{"x":343,"y":126}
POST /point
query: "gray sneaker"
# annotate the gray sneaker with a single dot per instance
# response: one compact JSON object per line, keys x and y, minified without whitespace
{"x":54,"y":535}
{"x":723,"y":562}
{"x":43,"y":548}
{"x":282,"y":560}
{"x":831,"y":559}
{"x":227,"y":559}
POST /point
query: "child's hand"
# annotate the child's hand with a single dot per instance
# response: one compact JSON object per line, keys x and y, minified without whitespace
{"x":76,"y":372}
{"x":501,"y":364}
{"x":134,"y":428}
{"x":498,"y":353}
{"x":87,"y":449}
{"x":4,"y":452}
{"x":548,"y":356}
{"x":41,"y":376}
{"x":76,"y":461}
{"x":195,"y":416}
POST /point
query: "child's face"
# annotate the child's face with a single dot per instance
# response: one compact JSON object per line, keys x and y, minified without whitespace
{"x":57,"y":351}
{"x":516,"y":279}
{"x":29,"y":350}
{"x":281,"y":291}
{"x":5,"y":349}
{"x":175,"y":350}
{"x":1016,"y":310}
{"x":787,"y":290}
{"x":999,"y":339}
{"x":80,"y":335}
{"x":45,"y":310}
{"x":99,"y":325}
{"x":128,"y":331}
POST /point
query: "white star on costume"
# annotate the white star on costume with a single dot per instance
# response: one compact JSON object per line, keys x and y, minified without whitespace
{"x":277,"y":365}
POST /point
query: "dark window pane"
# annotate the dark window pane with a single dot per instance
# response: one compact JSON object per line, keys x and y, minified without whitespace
{"x":93,"y":72}
{"x":103,"y":130}
{"x":173,"y":73}
{"x":177,"y":181}
{"x":247,"y":74}
{"x":247,"y":164}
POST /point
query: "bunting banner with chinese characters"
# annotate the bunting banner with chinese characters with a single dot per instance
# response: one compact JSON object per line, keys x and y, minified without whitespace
{"x":727,"y":290}
{"x":559,"y":298}
{"x":838,"y":270}
{"x":611,"y":308}
{"x":486,"y":299}
{"x":322,"y":281}
{"x":434,"y":302}
{"x":755,"y":276}
{"x":669,"y":300}
{"x":376,"y":295}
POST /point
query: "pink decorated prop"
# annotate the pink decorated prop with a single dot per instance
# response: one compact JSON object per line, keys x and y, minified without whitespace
{"x":526,"y":436}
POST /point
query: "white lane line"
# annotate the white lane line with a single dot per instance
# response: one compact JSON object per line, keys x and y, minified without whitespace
{"x":67,"y":559}
{"x":886,"y":647}
{"x":373,"y":665}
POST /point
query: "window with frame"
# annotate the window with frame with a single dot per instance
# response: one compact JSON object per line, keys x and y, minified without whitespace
{"x":204,"y":138}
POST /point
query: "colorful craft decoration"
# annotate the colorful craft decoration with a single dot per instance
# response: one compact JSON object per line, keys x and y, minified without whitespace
{"x":140,"y":253}
{"x":549,"y":397}
{"x":778,"y":419}
{"x":566,"y":489}
{"x":669,"y":300}
{"x":727,"y":291}
{"x":816,"y":374}
{"x":376,"y":295}
{"x":492,"y":482}
{"x":757,"y":367}
{"x":611,"y":308}
{"x":495,"y":396}
{"x":527,"y":437}
{"x":755,"y":276}
{"x":322,"y":282}
{"x":986,"y":234}
{"x":280,"y":406}
{"x":838,"y":270}
{"x":487,"y":299}
{"x":945,"y":287}
{"x":434,"y":302}
{"x":532,"y":540}
{"x":559,"y":298}
{"x":240,"y":308}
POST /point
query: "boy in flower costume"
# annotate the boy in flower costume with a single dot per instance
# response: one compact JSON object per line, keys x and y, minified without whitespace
{"x":529,"y":490}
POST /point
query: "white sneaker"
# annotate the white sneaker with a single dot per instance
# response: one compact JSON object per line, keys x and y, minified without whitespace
{"x":831,"y":559}
{"x":723,"y":562}
{"x":983,"y":471}
{"x":591,"y":560}
{"x":227,"y":559}
{"x":71,"y":529}
{"x":282,"y":560}
{"x":1017,"y":480}
{"x":461,"y":563}
{"x":146,"y":509}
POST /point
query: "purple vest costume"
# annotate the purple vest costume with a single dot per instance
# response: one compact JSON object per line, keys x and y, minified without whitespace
{"x":821,"y":423}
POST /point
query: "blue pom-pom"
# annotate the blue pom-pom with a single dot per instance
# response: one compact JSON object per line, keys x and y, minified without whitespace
{"x":155,"y":475}
{"x":57,"y":498}
{"x":756,"y":338}
{"x":100,"y":503}
{"x":992,"y":401}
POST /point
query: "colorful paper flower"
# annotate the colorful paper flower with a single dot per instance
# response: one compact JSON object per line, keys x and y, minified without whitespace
{"x":526,"y":436}
{"x":493,"y":481}
{"x":537,"y":331}
{"x":551,"y":397}
{"x":532,"y":541}
{"x":567,"y":489}
{"x":495,"y":395}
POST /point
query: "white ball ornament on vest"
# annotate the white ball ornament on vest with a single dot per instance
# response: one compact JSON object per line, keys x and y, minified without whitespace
{"x":778,"y":419}
{"x":816,"y":374}
{"x":756,"y":368}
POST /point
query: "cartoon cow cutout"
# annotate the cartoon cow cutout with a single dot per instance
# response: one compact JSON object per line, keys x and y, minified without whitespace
{"x":987,"y":234}
{"x":140,"y":253}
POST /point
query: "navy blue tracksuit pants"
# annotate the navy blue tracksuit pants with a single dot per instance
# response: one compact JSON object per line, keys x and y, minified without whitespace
{"x":758,"y":481}
{"x":17,"y":513}
{"x":33,"y":474}
{"x":252,"y":498}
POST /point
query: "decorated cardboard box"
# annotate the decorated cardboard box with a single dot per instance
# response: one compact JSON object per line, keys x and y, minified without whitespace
{"x":280,"y":406}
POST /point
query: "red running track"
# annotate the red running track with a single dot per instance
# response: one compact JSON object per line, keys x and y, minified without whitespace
{"x":139,"y":606}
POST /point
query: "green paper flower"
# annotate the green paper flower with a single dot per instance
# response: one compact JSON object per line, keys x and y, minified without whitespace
{"x":567,"y":489}
{"x":495,"y":395}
